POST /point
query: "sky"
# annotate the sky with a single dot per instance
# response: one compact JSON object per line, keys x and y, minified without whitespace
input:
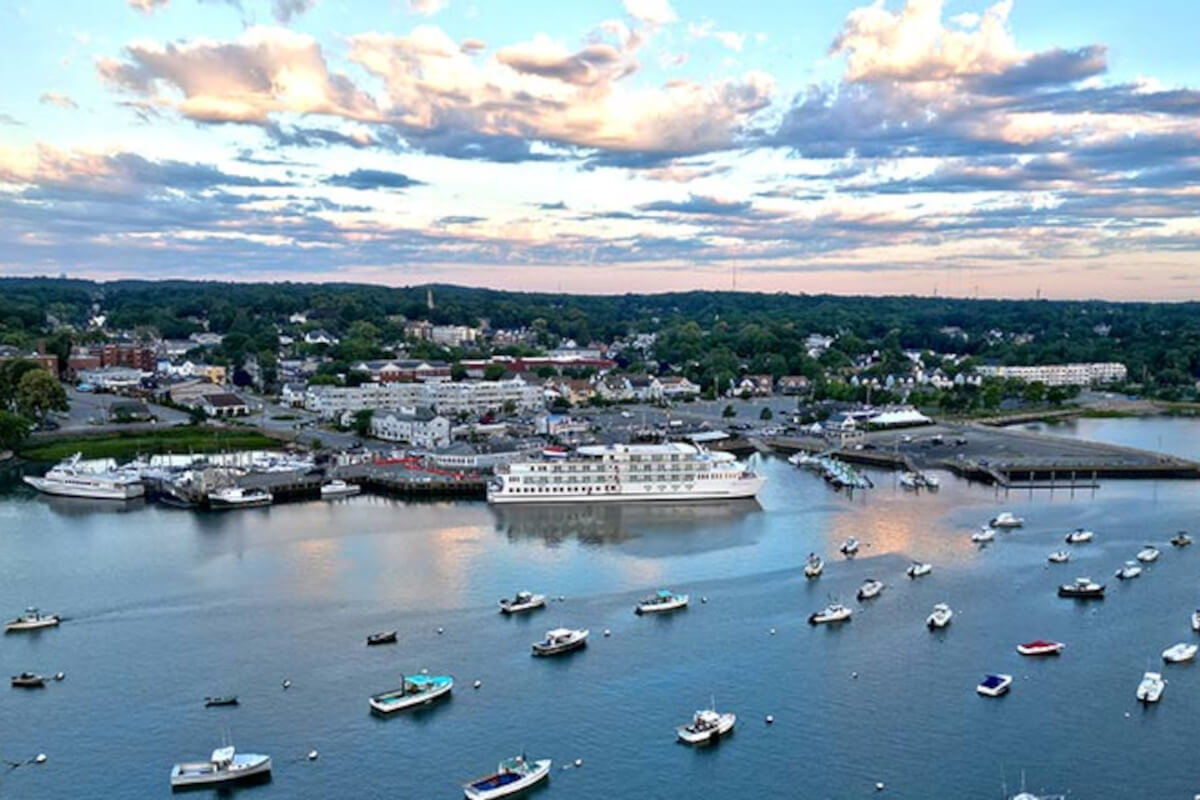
{"x":1013,"y":148}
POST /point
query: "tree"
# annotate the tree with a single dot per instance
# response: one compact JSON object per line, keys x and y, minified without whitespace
{"x":362,"y":421}
{"x":11,"y":373}
{"x":38,"y":393}
{"x":766,"y":414}
{"x":13,"y":430}
{"x":728,"y":412}
{"x":1034,"y":393}
{"x":493,"y":372}
{"x":458,"y":372}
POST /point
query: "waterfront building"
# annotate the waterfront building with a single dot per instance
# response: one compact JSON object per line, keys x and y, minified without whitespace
{"x":420,"y":427}
{"x":444,"y":397}
{"x":1082,"y":374}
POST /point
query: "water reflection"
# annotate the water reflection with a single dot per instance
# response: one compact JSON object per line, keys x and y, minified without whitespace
{"x":82,"y":506}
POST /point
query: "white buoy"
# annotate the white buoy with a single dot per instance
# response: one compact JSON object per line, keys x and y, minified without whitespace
{"x":579,"y":762}
{"x":703,"y":599}
{"x":286,"y":683}
{"x":312,"y":755}
{"x":561,"y":598}
{"x":854,"y":675}
{"x":879,"y":786}
{"x":772,"y":631}
{"x":58,"y":676}
{"x":441,"y":631}
{"x":770,"y":719}
{"x":607,"y":632}
{"x":478,"y":684}
{"x":40,"y":758}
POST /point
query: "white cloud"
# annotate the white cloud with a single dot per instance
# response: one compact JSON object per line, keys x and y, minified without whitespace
{"x":651,"y":12}
{"x":146,"y":6}
{"x":706,"y":30}
{"x":426,"y":8}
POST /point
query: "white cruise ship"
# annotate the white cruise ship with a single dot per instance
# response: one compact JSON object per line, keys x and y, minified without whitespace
{"x":69,"y":479}
{"x":621,"y":472}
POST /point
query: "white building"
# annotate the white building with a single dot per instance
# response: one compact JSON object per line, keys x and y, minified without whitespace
{"x":320,"y":336}
{"x":471,"y":397}
{"x":674,"y":387}
{"x":420,"y":427}
{"x":453,"y":335}
{"x":1060,"y":374}
{"x":112,"y":379}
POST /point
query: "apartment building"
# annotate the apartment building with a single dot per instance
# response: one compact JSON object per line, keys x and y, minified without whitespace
{"x":472,"y":397}
{"x":1084,"y":374}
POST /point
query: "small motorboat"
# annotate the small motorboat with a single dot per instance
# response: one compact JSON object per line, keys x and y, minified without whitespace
{"x":232,"y":497}
{"x":1083,"y":588}
{"x":1148,"y":554}
{"x":1181,"y":539}
{"x":415,"y":690}
{"x":227,"y":700}
{"x":834,"y":612}
{"x":1151,"y":688}
{"x":31,"y":620}
{"x":994,"y":685}
{"x":917,"y":569}
{"x":1006,"y":519}
{"x":1196,"y":620}
{"x":28,"y":680}
{"x":661,"y":601}
{"x":940,"y":616}
{"x":1059,"y":557}
{"x":1040,"y":647}
{"x":522,"y":601}
{"x":870,"y":588}
{"x":984,"y":535}
{"x":561,"y":640}
{"x":1179,"y":652}
{"x":814,"y":566}
{"x":224,"y":766}
{"x":908,"y":480}
{"x":514,"y":775}
{"x":1079,"y":536}
{"x":849,"y":547}
{"x":1130,"y":569}
{"x":929,"y":481}
{"x":339,"y":488}
{"x":706,"y":726}
{"x":384,"y":637}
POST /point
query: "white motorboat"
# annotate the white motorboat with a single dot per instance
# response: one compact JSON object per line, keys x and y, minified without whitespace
{"x":522,"y":601}
{"x":707,"y":725}
{"x":870,"y":588}
{"x":1079,"y":536}
{"x":849,"y":547}
{"x":1040,"y":647}
{"x":70,"y":478}
{"x":661,"y":601}
{"x":339,"y":488}
{"x":28,"y":680}
{"x":908,"y":480}
{"x":236,"y":497}
{"x":1179,"y":652}
{"x":940,"y":616}
{"x":415,"y":690}
{"x":224,"y":766}
{"x":1196,"y":620}
{"x":1059,"y":557}
{"x":561,"y":640}
{"x":1006,"y":519}
{"x":1129,"y":569}
{"x":1181,"y":539}
{"x":814,"y":566}
{"x":31,"y":620}
{"x":917,"y":569}
{"x":984,"y":535}
{"x":1148,"y":554}
{"x":929,"y":481}
{"x":994,"y":685}
{"x":1083,"y":588}
{"x":834,"y":612}
{"x":512,"y":776}
{"x":1151,"y":688}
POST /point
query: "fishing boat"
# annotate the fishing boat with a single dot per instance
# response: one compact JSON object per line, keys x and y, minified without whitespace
{"x":31,"y":620}
{"x":870,"y":588}
{"x":227,"y":700}
{"x":1151,"y":688}
{"x":236,"y":497}
{"x":929,"y":481}
{"x":814,"y":566}
{"x":224,"y":766}
{"x":661,"y":601}
{"x":28,"y":680}
{"x":849,"y":547}
{"x":1196,"y":620}
{"x":940,"y":616}
{"x":383,"y":637}
{"x":1083,"y":588}
{"x":1179,"y":652}
{"x":1006,"y":519}
{"x":1059,"y":557}
{"x":994,"y":685}
{"x":706,"y":726}
{"x":415,"y":690}
{"x":917,"y":569}
{"x":984,"y":535}
{"x":1040,"y":647}
{"x":908,"y":480}
{"x":1181,"y":539}
{"x":561,"y":640}
{"x":513,"y":775}
{"x":1129,"y":569}
{"x":1079,"y":536}
{"x":522,"y":601}
{"x":1148,"y":554}
{"x":339,"y":488}
{"x":834,"y":612}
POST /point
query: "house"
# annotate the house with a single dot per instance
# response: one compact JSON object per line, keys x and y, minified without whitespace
{"x":453,"y":335}
{"x":754,"y":386}
{"x":674,"y":387}
{"x":292,"y":394}
{"x":112,"y":379}
{"x":614,"y":388}
{"x":794,"y":384}
{"x":420,"y":427}
{"x":641,"y":387}
{"x":224,"y":404}
{"x":299,"y":318}
{"x":575,"y":391}
{"x":558,"y":425}
{"x":206,"y":339}
{"x":320,"y":336}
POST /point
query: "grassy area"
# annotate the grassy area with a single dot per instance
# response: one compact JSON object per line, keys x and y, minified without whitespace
{"x":186,"y":439}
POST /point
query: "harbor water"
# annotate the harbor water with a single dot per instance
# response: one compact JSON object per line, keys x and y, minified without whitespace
{"x":163,"y":607}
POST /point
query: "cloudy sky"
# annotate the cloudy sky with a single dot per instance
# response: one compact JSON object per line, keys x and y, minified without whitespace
{"x":920,"y":146}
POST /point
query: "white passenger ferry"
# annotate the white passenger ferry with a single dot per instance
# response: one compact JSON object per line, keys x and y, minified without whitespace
{"x":71,"y":478}
{"x":625,"y":472}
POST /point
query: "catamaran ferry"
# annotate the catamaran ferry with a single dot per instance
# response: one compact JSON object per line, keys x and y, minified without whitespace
{"x":626,"y":472}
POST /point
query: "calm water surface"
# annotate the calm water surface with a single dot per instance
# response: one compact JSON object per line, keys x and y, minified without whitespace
{"x":168,"y":606}
{"x":1174,"y":435}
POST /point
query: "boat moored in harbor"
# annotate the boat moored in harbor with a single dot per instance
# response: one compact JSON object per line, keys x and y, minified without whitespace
{"x":661,"y":601}
{"x":814,"y":566}
{"x":70,"y":478}
{"x":28,"y":680}
{"x":522,"y":601}
{"x":849,"y":547}
{"x":1079,"y":536}
{"x":870,"y":588}
{"x":984,"y":535}
{"x":1082,"y":588}
{"x":834,"y":612}
{"x":1006,"y":519}
{"x":232,"y":497}
{"x":227,"y":700}
{"x":1059,"y":557}
{"x":383,"y":637}
{"x":918,"y":569}
{"x":1151,"y":688}
{"x":1148,"y":554}
{"x":1128,"y":570}
{"x":512,"y":776}
{"x":1179,"y":653}
{"x":415,"y":690}
{"x":707,"y":725}
{"x":560,"y":640}
{"x":224,"y":766}
{"x":1181,"y":539}
{"x":1196,"y":620}
{"x":940,"y":616}
{"x":31,"y":620}
{"x":994,"y":685}
{"x":1040,"y":647}
{"x":339,"y":488}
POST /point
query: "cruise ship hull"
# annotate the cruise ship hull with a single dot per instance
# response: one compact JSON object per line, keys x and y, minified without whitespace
{"x":742,"y":489}
{"x":120,"y":492}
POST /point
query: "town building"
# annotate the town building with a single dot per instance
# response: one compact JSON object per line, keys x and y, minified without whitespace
{"x":1083,"y":374}
{"x":224,"y":404}
{"x":794,"y":384}
{"x":674,"y":387}
{"x":453,"y":335}
{"x":444,"y":397}
{"x":50,"y":362}
{"x":420,"y":427}
{"x":112,"y":379}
